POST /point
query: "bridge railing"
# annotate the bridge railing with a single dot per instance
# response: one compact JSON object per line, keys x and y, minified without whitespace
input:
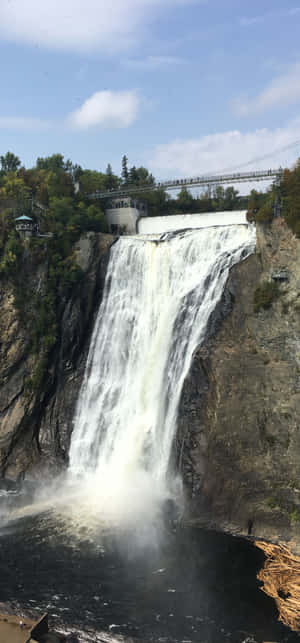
{"x":241,"y":177}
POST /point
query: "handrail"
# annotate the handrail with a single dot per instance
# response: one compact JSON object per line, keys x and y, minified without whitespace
{"x":260,"y":175}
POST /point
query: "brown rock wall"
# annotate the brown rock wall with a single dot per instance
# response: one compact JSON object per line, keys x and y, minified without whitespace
{"x":35,"y":427}
{"x":239,"y":427}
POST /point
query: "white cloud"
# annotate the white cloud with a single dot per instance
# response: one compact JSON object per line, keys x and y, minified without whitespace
{"x":226,"y":151}
{"x":247,"y":22}
{"x":269,"y":15}
{"x":80,"y":25}
{"x":282,"y":91}
{"x":107,"y":109}
{"x":23,"y":123}
{"x":154,"y":62}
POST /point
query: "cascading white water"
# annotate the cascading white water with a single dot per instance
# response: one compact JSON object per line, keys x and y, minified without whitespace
{"x":158,"y":297}
{"x":158,"y":225}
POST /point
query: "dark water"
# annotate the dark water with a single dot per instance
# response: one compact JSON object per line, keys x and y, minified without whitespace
{"x":197,"y":586}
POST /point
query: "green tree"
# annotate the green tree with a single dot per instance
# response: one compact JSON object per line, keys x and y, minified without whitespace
{"x":158,"y":202}
{"x":218,"y":198}
{"x":185,"y":201}
{"x":11,"y":255}
{"x":76,"y":172}
{"x":51,"y":163}
{"x":231,"y":198}
{"x":111,"y":180}
{"x":133,"y":177}
{"x":59,"y":184}
{"x":15,"y":188}
{"x":290,"y":194}
{"x":265,"y":214}
{"x":96,"y":221}
{"x":62,"y":209}
{"x":140,"y":176}
{"x":255,"y":202}
{"x":91,"y":181}
{"x":9,"y":163}
{"x":125,"y":173}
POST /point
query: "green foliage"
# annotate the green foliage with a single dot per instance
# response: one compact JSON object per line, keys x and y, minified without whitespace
{"x":53,"y":163}
{"x":185,"y":201}
{"x":256,"y":201}
{"x":231,"y":201}
{"x":273,"y":502}
{"x":13,"y":187}
{"x":140,"y":176}
{"x":265,"y":295}
{"x":91,"y":180}
{"x":9,"y":163}
{"x":125,"y":173}
{"x":59,"y":184}
{"x":265,"y":213}
{"x":158,"y":203}
{"x":295,"y":516}
{"x":38,"y":374}
{"x":111,"y":180}
{"x":11,"y":255}
{"x":290,"y":192}
{"x":285,"y":195}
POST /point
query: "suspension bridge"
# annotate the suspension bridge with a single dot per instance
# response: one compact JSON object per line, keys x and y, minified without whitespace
{"x":198,"y":181}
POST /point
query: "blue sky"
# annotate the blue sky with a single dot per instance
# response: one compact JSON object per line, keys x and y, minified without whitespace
{"x":182,"y":86}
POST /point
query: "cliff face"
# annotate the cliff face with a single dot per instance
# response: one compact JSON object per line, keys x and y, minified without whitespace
{"x":238,"y":441}
{"x":35,"y":427}
{"x":239,"y":433}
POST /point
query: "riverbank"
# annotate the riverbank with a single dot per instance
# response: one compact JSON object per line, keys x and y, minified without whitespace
{"x":10,"y":630}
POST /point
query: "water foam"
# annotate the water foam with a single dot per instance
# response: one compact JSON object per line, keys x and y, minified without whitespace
{"x":157,"y":301}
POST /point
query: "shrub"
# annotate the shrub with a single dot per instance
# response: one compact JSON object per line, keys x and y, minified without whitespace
{"x":295,"y":515}
{"x":265,"y":214}
{"x":265,"y":295}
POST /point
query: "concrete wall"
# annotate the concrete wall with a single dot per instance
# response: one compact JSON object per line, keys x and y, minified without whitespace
{"x":124,"y":218}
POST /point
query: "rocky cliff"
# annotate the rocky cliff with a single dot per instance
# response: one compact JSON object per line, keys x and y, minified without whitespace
{"x":238,"y":441}
{"x":239,"y":434}
{"x":35,"y":425}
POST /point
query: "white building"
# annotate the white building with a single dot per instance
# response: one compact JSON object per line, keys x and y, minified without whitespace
{"x":123,"y":214}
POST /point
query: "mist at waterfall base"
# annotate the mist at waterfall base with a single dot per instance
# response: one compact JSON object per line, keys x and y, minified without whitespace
{"x":95,"y":549}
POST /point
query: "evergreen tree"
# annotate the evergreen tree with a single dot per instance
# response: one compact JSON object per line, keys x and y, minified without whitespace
{"x":109,"y":171}
{"x":133,"y":176}
{"x":110,"y":180}
{"x":125,"y":173}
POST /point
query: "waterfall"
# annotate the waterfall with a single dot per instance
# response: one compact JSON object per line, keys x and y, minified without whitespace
{"x":158,"y":297}
{"x":158,"y":225}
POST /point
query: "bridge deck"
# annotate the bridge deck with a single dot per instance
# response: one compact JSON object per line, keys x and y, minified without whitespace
{"x":212,"y":180}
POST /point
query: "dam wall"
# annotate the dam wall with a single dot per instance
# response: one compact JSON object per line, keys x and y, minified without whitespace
{"x":159,"y":225}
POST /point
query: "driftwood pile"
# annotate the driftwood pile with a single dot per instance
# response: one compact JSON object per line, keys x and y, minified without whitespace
{"x":281,"y":580}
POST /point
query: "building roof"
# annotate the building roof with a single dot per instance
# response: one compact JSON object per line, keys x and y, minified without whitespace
{"x":24,"y":218}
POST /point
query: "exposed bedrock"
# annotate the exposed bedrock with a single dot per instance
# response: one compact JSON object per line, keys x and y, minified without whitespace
{"x":35,"y":426}
{"x":238,"y":442}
